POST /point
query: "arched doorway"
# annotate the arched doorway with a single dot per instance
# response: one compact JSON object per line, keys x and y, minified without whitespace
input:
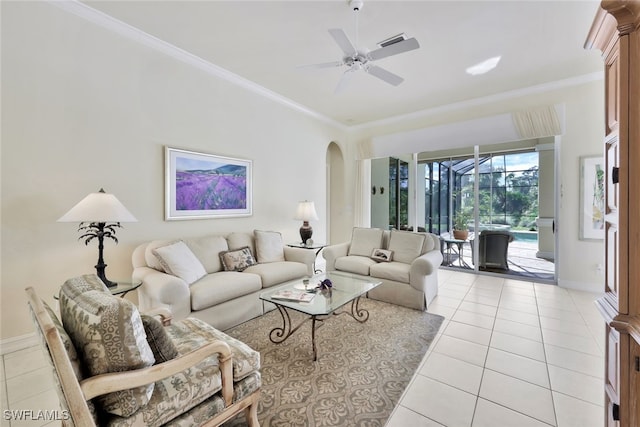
{"x":337,"y":223}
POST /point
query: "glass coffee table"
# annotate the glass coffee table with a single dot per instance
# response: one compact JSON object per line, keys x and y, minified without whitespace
{"x":345,"y":289}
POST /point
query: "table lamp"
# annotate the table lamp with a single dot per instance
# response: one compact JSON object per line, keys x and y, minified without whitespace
{"x":306,"y":211}
{"x":99,"y":215}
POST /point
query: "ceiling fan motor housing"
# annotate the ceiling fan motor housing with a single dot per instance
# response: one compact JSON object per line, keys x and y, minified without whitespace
{"x":356,"y":5}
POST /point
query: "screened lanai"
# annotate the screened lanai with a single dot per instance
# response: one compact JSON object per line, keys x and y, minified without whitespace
{"x":507,"y":200}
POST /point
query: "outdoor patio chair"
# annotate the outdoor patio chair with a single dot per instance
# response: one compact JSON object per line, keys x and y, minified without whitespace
{"x":493,"y":246}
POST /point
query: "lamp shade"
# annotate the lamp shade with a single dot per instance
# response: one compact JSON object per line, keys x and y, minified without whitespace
{"x":98,"y":207}
{"x":306,"y":211}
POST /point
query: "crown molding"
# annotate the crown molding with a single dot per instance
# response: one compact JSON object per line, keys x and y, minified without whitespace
{"x":475,"y":102}
{"x":108,"y":22}
{"x":130,"y":32}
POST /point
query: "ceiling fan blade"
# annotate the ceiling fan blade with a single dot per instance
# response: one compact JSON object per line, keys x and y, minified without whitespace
{"x":343,"y":41}
{"x":323,"y":65}
{"x":344,"y":80}
{"x":394,"y":49}
{"x":384,"y":75}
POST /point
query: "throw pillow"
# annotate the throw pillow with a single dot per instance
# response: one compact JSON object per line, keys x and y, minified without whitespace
{"x":269,"y":246}
{"x":177,"y":259}
{"x":406,"y":246}
{"x":382,"y":255}
{"x":237,"y":260}
{"x":107,"y":333}
{"x":365,"y":240}
{"x":161,"y":345}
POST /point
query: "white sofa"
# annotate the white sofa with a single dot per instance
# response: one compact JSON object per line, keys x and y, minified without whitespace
{"x":216,"y":278}
{"x":409,"y":273}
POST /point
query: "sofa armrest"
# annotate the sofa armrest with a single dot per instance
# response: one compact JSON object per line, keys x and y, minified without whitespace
{"x":302,"y":255}
{"x":423,"y":267}
{"x":333,"y":252}
{"x":162,"y":290}
{"x":108,"y":383}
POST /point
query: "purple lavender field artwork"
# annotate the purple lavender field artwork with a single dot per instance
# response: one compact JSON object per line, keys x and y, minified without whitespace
{"x":209,"y":185}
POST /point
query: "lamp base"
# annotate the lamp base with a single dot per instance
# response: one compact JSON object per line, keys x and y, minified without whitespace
{"x":305,"y":232}
{"x":101,"y":276}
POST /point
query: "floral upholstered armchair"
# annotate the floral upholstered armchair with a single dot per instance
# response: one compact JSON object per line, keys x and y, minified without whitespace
{"x":115,"y":367}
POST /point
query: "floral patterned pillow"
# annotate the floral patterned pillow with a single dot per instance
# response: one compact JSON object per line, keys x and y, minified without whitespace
{"x":237,"y":260}
{"x":108,"y":334}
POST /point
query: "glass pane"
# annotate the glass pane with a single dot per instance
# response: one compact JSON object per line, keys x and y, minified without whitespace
{"x":521,"y":161}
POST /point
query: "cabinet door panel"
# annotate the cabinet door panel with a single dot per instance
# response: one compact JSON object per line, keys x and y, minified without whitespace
{"x":612,"y":375}
{"x":612,"y":90}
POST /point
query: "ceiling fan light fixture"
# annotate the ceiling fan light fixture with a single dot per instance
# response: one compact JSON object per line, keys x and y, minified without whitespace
{"x":484,"y":66}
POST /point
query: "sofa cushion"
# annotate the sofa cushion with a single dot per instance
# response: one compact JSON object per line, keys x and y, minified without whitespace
{"x":207,"y":249}
{"x":354,"y":264}
{"x":161,"y":345}
{"x":275,"y":273}
{"x":107,"y":332}
{"x":178,"y":260}
{"x":240,"y":240}
{"x":406,"y":246}
{"x":190,"y":333}
{"x":173,"y":395}
{"x":216,"y":288}
{"x":269,"y":246}
{"x":365,"y":240}
{"x":396,"y":271}
{"x":237,"y":260}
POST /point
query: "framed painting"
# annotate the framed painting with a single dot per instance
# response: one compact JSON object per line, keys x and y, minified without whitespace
{"x":592,"y":201}
{"x":200,"y":185}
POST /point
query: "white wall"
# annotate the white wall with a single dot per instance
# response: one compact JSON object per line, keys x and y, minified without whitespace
{"x":584,"y":112}
{"x":84,"y":108}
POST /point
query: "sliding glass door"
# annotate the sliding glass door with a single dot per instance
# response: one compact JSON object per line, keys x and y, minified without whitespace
{"x":492,"y":192}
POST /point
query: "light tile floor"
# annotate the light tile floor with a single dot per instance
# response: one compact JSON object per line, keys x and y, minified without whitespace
{"x":509,"y":354}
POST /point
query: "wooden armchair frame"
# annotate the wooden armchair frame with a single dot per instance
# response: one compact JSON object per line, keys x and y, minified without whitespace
{"x":77,"y":393}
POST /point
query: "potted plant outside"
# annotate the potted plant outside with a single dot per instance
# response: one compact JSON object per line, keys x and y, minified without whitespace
{"x":461,"y":225}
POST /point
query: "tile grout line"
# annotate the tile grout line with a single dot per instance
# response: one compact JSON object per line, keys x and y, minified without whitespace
{"x":546,"y":360}
{"x":486,"y":357}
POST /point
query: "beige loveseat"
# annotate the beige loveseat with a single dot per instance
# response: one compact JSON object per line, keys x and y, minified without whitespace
{"x":407,"y":266}
{"x":216,"y":278}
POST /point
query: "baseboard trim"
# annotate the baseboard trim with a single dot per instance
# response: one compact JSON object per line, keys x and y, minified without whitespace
{"x":549,"y":256}
{"x":13,"y":344}
{"x":582,"y":286}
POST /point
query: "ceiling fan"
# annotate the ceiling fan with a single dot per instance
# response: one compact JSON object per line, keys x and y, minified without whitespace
{"x":356,"y":59}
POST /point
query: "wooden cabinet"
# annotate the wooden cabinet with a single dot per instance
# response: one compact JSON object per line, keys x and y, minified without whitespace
{"x":616,"y":33}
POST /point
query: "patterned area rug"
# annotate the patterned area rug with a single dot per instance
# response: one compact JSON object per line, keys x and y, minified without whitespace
{"x":361,"y":371}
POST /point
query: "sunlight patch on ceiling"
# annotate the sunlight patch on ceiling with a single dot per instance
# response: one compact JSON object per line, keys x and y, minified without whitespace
{"x":484,"y":66}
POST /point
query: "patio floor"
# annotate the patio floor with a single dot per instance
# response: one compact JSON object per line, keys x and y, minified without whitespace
{"x":521,"y":258}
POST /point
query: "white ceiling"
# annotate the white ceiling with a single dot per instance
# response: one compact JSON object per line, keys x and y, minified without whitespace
{"x":265,"y":41}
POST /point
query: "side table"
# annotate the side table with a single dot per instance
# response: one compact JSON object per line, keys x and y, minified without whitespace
{"x":122,"y":288}
{"x":459,"y":244}
{"x":315,"y":246}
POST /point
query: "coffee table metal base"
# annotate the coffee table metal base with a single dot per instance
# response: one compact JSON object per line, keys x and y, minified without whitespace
{"x":280,"y":334}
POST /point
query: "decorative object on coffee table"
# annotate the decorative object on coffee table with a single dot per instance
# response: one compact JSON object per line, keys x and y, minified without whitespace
{"x":306,"y":212}
{"x":99,"y":215}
